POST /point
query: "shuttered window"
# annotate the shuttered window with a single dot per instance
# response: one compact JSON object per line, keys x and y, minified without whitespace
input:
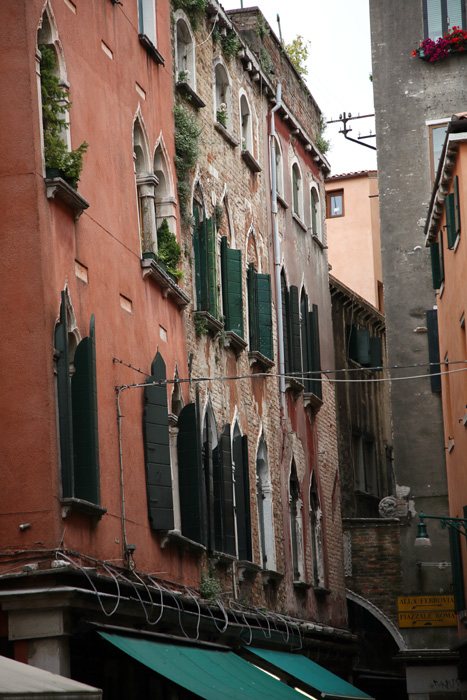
{"x":156,"y":449}
{"x":242,"y":497}
{"x":359,"y":345}
{"x":316,"y":386}
{"x":259,"y":312}
{"x":295,"y":360}
{"x":225,"y":530}
{"x":190,"y":476}
{"x":205,"y":249}
{"x":285,"y":324}
{"x":457,"y":572}
{"x":435,"y":266}
{"x":457,"y":213}
{"x":433,"y":349}
{"x":232,"y":299}
{"x":77,"y":410}
{"x":450,"y":220}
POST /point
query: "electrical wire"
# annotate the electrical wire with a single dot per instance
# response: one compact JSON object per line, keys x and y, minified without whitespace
{"x":83,"y":570}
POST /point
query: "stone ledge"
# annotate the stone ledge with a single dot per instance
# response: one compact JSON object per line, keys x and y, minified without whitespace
{"x":226,"y":134}
{"x":148,"y":46}
{"x":251,"y":161}
{"x":176,"y":537}
{"x":213,"y":325}
{"x":270,"y":576}
{"x":189,"y":94}
{"x":312,"y":400}
{"x":86,"y":507}
{"x":234,"y":341}
{"x":168,"y":285}
{"x":247,"y":570}
{"x":258,"y":357}
{"x":58,"y":187}
{"x":299,"y":222}
{"x":281,"y":201}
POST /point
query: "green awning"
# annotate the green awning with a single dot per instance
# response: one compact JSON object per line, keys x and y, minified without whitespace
{"x":211,"y":674}
{"x":330,"y":686}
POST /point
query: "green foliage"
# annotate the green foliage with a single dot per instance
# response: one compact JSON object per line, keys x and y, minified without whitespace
{"x":230,"y":44}
{"x":200,"y":325}
{"x":210,"y":588}
{"x":194,"y":9}
{"x":265,"y":60}
{"x":187,"y":133}
{"x":168,"y":249}
{"x":298,"y":51}
{"x":221,"y":115}
{"x":321,"y":142}
{"x":55,"y":105}
{"x":218,"y":215}
{"x":262,"y":27}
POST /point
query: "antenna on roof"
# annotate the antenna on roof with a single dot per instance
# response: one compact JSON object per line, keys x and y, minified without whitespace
{"x":279,"y":25}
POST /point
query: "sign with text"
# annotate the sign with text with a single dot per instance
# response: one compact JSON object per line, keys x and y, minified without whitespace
{"x":426,"y":611}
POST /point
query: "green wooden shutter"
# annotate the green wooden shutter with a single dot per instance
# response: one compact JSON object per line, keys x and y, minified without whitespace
{"x":450,"y":223}
{"x":201,"y":263}
{"x":65,"y":424}
{"x":190,"y":475}
{"x":433,"y":349}
{"x":85,"y":427}
{"x":306,"y":344}
{"x":156,"y":450}
{"x":232,"y":298}
{"x":285,"y":324}
{"x":252,"y":307}
{"x":457,"y":211}
{"x":363,"y":346}
{"x":376,"y":353}
{"x":228,"y":525}
{"x":295,"y":330}
{"x":211,"y":268}
{"x":435,"y":266}
{"x":242,"y":497}
{"x":263,"y":285}
{"x":457,"y":572}
{"x":441,"y":255}
{"x":315,"y":352}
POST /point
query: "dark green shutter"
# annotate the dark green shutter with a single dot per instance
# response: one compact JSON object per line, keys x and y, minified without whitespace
{"x":315,"y":352}
{"x":450,"y":219}
{"x":433,"y":349}
{"x":201,"y":266}
{"x":307,"y":364}
{"x":213,"y":296}
{"x":363,"y":346}
{"x":263,"y":285}
{"x":294,"y":316}
{"x":457,"y":572}
{"x":228,"y":539}
{"x":85,"y":428}
{"x":190,"y":475}
{"x":231,"y":265}
{"x":156,"y":450}
{"x":65,"y":424}
{"x":252,"y":308}
{"x":441,"y":256}
{"x":457,"y":211}
{"x":285,"y":323}
{"x":435,"y":266}
{"x":352,"y":342}
{"x":242,"y":497}
{"x":376,"y":353}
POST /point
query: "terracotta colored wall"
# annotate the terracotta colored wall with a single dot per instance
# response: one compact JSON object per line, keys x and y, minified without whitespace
{"x":40,"y":243}
{"x":353,"y":239}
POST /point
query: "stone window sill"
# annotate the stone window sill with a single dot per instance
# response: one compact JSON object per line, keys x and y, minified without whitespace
{"x":310,"y":399}
{"x":271,"y":577}
{"x":57,"y":187}
{"x":168,"y":285}
{"x":321,"y":591}
{"x":251,"y":161}
{"x":281,"y":201}
{"x":189,"y":94}
{"x":81,"y":506}
{"x":234,"y":341}
{"x":303,"y":585}
{"x":294,"y":385}
{"x":148,"y":46}
{"x":257,"y":357}
{"x":176,"y":537}
{"x":226,"y":134}
{"x":298,"y":220}
{"x":247,"y":571}
{"x":213,"y":325}
{"x":318,"y":241}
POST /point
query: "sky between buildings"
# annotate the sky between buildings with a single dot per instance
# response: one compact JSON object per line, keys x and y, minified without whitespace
{"x":339,"y":66}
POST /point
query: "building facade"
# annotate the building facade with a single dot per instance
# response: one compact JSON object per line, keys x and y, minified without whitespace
{"x":413,"y":100}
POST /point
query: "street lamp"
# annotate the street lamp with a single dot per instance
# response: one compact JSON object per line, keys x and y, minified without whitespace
{"x":422,"y":539}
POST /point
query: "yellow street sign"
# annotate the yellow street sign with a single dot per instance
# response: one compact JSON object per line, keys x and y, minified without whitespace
{"x":428,"y":618}
{"x":425,"y":602}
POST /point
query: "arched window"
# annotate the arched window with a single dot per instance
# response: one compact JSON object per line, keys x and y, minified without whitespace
{"x":265,"y":508}
{"x":223,"y":96}
{"x":247,"y":130}
{"x":145,"y":187}
{"x":184,"y":51}
{"x":279,"y":168}
{"x":242,"y":494}
{"x":210,"y":461}
{"x":316,"y":535}
{"x":165,"y":201}
{"x":315,"y":213}
{"x":205,"y":253}
{"x":297,"y":191}
{"x":295,"y":515}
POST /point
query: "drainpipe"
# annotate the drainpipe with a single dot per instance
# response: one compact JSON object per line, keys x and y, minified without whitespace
{"x":277,"y":252}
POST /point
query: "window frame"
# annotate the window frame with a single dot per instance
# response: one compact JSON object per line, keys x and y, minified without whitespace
{"x":433,"y":126}
{"x":443,"y":5}
{"x":190,"y":68}
{"x":329,"y":195}
{"x":297,"y":190}
{"x":315,"y":210}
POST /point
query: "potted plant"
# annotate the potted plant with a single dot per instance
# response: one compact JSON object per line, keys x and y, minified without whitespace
{"x":169,"y":252}
{"x":221,"y":114}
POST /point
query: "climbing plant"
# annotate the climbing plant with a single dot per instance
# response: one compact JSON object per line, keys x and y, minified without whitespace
{"x":194,"y":9}
{"x":187,"y":134}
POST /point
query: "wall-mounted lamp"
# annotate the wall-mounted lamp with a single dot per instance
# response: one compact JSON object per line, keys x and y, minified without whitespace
{"x":422,"y":539}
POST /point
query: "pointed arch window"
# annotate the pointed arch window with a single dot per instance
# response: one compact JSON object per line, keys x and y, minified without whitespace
{"x":223,"y":96}
{"x":265,"y":508}
{"x":297,"y":191}
{"x":316,"y":535}
{"x":185,"y":51}
{"x":315,"y":214}
{"x":146,"y":183}
{"x":77,"y":413}
{"x":295,"y":519}
{"x":260,"y":314}
{"x":205,"y":250}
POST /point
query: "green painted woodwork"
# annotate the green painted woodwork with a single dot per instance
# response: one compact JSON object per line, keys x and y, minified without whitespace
{"x":65,"y":423}
{"x":232,"y":298}
{"x":191,"y":476}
